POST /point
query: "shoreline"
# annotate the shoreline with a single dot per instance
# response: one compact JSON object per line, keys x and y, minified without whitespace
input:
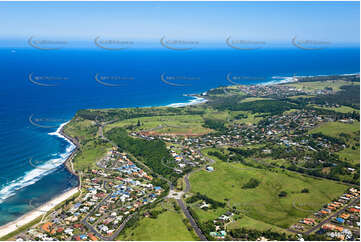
{"x":44,"y":208}
{"x":73,"y":153}
{"x":35,"y":213}
{"x":197,"y":99}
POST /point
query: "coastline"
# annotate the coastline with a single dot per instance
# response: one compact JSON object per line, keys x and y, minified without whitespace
{"x":199,"y":98}
{"x":40,"y":211}
{"x":75,"y":142}
{"x":276,"y":80}
{"x":46,"y":207}
{"x":35,"y":213}
{"x":196,"y":100}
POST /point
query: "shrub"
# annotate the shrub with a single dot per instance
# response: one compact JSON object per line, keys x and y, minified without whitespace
{"x":305,"y":190}
{"x":252,"y":183}
{"x":282,"y":194}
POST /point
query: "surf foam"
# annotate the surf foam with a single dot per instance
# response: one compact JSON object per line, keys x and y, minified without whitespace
{"x":32,"y":176}
{"x":196,"y":100}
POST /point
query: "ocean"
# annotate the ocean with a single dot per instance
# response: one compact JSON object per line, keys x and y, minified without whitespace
{"x":42,"y":89}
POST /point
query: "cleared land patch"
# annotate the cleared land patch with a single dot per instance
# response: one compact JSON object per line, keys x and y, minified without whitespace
{"x":83,"y":130}
{"x":252,"y":99}
{"x":341,"y":109}
{"x":89,"y":154}
{"x":262,"y":203}
{"x":168,"y":226}
{"x":337,"y":129}
{"x":319,"y":85}
{"x":165,"y":124}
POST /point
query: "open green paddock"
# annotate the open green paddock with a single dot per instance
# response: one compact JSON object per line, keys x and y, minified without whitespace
{"x":263,"y":203}
{"x":319,"y":85}
{"x":164,"y":124}
{"x":168,"y":226}
{"x":335,"y":129}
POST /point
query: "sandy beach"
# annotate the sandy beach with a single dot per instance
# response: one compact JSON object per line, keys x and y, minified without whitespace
{"x":35,"y":213}
{"x":196,"y":100}
{"x":30,"y":216}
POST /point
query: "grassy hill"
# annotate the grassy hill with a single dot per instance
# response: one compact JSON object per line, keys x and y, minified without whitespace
{"x":168,"y":226}
{"x":350,"y":133}
{"x":263,"y":202}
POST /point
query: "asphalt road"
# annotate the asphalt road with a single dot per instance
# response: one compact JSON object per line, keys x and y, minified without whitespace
{"x":91,"y":228}
{"x":186,"y":177}
{"x":121,"y":227}
{"x":357,"y":200}
{"x":183,"y":206}
{"x":181,"y":203}
{"x":188,"y":185}
{"x":191,"y":220}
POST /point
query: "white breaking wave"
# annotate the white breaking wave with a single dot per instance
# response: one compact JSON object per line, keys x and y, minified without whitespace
{"x":279,"y":80}
{"x":194,"y":101}
{"x":32,"y":176}
{"x":287,"y":79}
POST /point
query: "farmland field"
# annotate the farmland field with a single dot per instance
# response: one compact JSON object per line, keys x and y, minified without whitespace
{"x":341,"y":109}
{"x":319,"y":85}
{"x":167,"y":226}
{"x":252,"y":99}
{"x":90,"y":152}
{"x":335,"y":129}
{"x":263,"y":203}
{"x":165,"y":124}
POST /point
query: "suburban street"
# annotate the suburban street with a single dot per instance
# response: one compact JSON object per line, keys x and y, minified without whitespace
{"x":318,"y":226}
{"x":84,"y":221}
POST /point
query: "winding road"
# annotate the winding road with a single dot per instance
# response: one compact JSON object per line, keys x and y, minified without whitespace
{"x":186,"y":177}
{"x":181,"y":203}
{"x":184,"y":208}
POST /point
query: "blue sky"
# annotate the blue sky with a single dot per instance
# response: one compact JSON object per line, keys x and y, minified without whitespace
{"x":338,"y":22}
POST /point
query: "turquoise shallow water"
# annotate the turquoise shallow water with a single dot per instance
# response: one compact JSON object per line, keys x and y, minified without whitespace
{"x":135,"y":78}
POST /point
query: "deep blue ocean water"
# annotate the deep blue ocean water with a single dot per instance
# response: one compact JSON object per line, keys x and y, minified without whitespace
{"x":137,"y":76}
